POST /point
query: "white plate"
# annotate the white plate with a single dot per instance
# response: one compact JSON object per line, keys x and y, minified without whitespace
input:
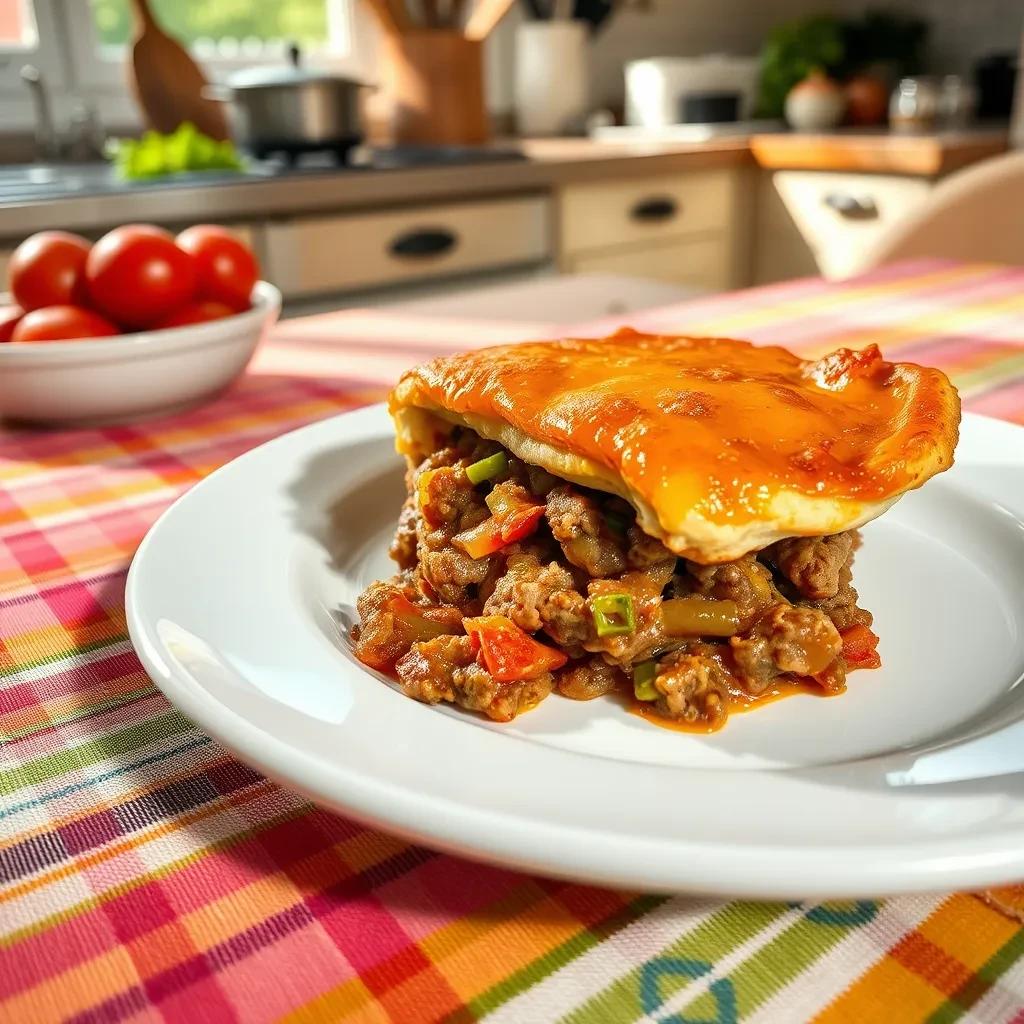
{"x":239,"y":602}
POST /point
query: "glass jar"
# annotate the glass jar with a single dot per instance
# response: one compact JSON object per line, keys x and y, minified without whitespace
{"x":913,"y":105}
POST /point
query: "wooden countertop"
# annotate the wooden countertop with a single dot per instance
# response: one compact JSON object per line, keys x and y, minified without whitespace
{"x":924,"y":155}
{"x":569,"y":158}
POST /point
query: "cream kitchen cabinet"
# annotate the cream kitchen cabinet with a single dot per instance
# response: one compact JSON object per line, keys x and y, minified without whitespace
{"x":811,"y":222}
{"x":688,"y":228}
{"x":345,"y":252}
{"x":703,"y":263}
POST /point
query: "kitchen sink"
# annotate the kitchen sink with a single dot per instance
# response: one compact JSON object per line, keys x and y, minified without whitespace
{"x":27,"y":182}
{"x":33,"y":180}
{"x":24,"y":183}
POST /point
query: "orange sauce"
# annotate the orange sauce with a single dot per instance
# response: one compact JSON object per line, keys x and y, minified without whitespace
{"x":709,"y":425}
{"x":738,"y":703}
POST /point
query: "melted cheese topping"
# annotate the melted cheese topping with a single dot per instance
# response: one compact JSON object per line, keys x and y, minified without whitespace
{"x":720,"y":445}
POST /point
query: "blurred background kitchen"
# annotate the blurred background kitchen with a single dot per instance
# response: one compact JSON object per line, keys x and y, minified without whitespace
{"x":464,"y":156}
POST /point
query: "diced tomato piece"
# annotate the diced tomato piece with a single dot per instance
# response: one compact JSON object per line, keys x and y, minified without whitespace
{"x":870,"y":660}
{"x":481,"y":540}
{"x":509,"y":653}
{"x":836,"y":370}
{"x":521,"y":524}
{"x":498,"y":531}
{"x":859,"y":645}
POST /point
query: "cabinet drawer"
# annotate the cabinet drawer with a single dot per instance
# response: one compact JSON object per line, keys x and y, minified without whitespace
{"x":323,"y":254}
{"x":597,"y":215}
{"x":842,"y":215}
{"x":702,"y":262}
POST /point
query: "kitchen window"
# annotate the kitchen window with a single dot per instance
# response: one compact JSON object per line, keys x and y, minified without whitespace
{"x":221,"y":35}
{"x":81,"y":45}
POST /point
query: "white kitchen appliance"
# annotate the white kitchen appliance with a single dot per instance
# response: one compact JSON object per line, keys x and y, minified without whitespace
{"x":657,"y":86}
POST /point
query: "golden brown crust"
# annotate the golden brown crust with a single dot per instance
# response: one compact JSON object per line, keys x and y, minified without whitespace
{"x":721,"y":446}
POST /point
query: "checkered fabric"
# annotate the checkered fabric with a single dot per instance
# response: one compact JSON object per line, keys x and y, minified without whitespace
{"x":146,"y":875}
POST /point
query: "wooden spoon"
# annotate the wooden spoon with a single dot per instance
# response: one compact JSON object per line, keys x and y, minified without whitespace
{"x":167,"y":82}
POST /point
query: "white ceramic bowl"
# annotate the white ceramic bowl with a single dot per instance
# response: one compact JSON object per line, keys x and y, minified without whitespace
{"x":107,"y":380}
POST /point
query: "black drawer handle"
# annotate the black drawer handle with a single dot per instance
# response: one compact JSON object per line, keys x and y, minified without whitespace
{"x":657,"y":208}
{"x":421,"y":243}
{"x":851,"y":207}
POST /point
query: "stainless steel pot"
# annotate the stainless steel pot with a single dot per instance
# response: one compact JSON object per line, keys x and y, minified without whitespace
{"x":292,"y":110}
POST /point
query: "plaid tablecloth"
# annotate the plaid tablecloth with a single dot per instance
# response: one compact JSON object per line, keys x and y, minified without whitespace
{"x":147,"y":875}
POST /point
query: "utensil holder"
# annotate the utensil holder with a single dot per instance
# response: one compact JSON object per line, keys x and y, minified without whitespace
{"x":432,"y":81}
{"x":551,"y":80}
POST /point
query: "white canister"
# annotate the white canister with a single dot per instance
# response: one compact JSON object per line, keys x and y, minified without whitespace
{"x":551,"y":88}
{"x":816,"y":104}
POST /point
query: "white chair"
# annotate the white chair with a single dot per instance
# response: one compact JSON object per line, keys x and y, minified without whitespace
{"x":975,"y":215}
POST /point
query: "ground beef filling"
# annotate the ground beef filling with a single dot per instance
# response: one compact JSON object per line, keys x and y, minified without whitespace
{"x":591,"y":603}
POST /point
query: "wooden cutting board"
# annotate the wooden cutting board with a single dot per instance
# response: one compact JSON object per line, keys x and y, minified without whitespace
{"x":167,"y":82}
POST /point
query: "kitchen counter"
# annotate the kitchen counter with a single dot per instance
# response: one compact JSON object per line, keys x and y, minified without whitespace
{"x":548,"y":163}
{"x":710,"y":214}
{"x":877,"y":152}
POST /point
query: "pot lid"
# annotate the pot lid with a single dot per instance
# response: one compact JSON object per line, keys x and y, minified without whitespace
{"x":292,"y":73}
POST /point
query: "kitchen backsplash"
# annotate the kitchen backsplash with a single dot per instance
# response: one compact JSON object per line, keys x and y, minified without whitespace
{"x":961,"y":32}
{"x":670,"y":27}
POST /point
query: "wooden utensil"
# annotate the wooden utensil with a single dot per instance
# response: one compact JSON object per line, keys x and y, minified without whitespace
{"x":385,"y":17}
{"x":167,"y":82}
{"x":487,"y":14}
{"x":432,"y":82}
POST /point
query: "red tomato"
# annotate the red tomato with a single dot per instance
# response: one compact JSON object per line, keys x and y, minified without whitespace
{"x":522,"y":523}
{"x":62,"y":323}
{"x":136,"y":275}
{"x":508,"y":652}
{"x":480,"y":541}
{"x":9,"y":317}
{"x":194,"y":313}
{"x":47,"y":270}
{"x":859,"y":645}
{"x":225,"y":267}
{"x":499,"y":531}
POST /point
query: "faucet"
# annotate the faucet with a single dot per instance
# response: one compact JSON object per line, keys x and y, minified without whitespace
{"x":47,"y":144}
{"x":84,"y":139}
